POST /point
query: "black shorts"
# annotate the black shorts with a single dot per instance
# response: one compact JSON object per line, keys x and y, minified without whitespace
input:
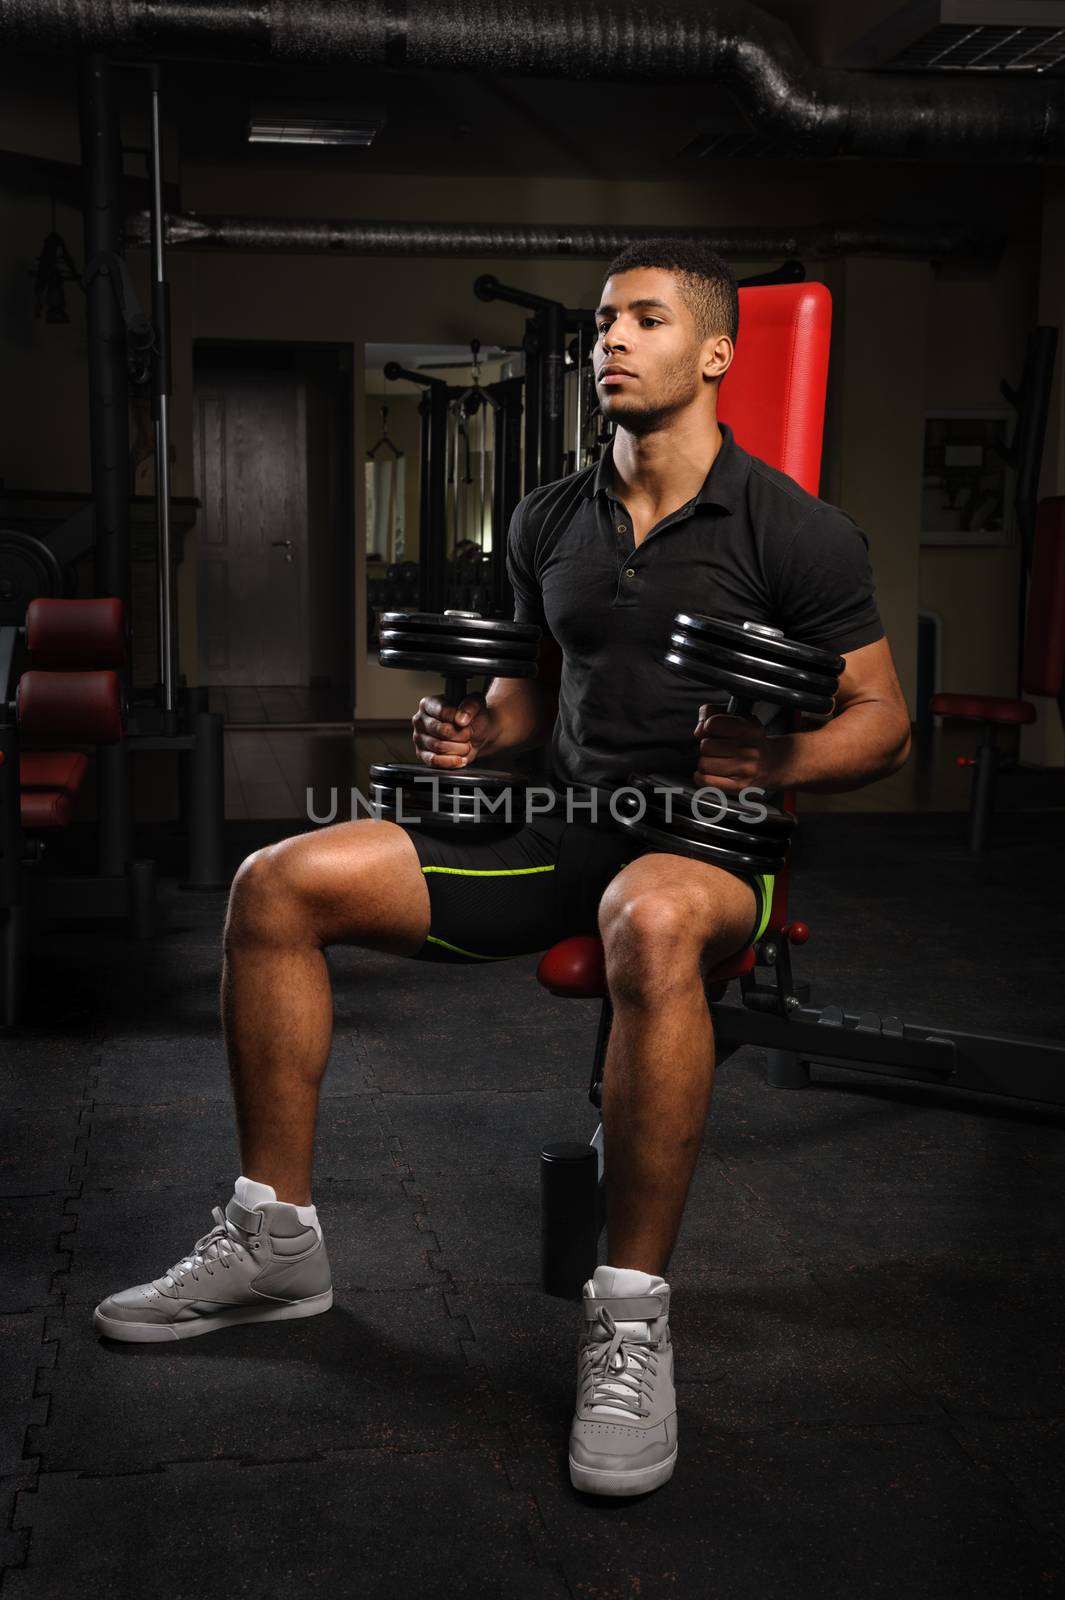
{"x":524,"y":892}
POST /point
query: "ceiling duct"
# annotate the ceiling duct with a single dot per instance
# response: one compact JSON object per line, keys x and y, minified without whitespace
{"x":812,"y":111}
{"x":311,"y":236}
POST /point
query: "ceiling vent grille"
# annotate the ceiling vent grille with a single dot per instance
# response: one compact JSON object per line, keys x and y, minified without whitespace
{"x":958,"y":48}
{"x":1018,"y":37}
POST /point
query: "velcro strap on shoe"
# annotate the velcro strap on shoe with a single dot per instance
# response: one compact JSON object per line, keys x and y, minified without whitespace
{"x":629,"y":1308}
{"x":247,"y":1221}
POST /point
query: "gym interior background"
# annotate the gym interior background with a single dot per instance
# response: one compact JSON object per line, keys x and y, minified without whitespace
{"x":871,"y":1270}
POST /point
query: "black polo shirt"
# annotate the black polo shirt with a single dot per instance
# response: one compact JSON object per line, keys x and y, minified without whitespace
{"x":751,"y":546}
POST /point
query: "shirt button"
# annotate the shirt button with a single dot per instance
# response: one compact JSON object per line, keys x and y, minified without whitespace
{"x":630,"y":572}
{"x":622,"y":527}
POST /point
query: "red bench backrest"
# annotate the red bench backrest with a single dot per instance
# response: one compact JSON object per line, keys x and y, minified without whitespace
{"x":773,"y":399}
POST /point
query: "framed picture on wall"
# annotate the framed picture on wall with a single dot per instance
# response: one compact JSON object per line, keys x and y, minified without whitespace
{"x":966,"y":484}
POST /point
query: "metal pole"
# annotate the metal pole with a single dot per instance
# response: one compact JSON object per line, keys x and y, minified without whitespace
{"x":101,"y":158}
{"x":552,"y":437}
{"x":533,"y":347}
{"x":161,"y":389}
{"x":580,"y":395}
{"x":435,"y":534}
{"x":482,"y":497}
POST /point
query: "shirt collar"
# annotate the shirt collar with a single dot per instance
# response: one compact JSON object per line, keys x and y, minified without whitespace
{"x":722,"y":485}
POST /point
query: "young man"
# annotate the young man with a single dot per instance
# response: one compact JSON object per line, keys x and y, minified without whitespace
{"x":676,"y":516}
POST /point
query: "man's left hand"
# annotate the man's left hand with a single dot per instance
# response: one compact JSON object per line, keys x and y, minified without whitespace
{"x":734,"y":752}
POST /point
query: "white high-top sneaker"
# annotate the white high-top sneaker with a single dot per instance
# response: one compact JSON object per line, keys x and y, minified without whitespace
{"x":259,"y":1263}
{"x":624,"y":1434}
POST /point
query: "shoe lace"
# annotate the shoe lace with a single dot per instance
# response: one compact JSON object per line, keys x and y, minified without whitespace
{"x":214,"y":1249}
{"x":619,"y":1371}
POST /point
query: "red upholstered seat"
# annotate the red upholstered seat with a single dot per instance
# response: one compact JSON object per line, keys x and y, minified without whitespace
{"x":49,"y":781}
{"x":774,"y":401}
{"x":575,"y":968}
{"x":982,"y":708}
{"x":46,"y":808}
{"x":52,"y":769}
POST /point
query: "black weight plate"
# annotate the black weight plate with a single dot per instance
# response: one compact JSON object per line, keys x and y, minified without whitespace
{"x":458,"y":666}
{"x":400,"y":639}
{"x":770,"y":852}
{"x":444,"y":793}
{"x":769,"y":849}
{"x":715,"y":630}
{"x":456,"y":808}
{"x":712,"y":818}
{"x":674,"y":844}
{"x":734,"y":813}
{"x":401,"y":773}
{"x":779,"y":823}
{"x":755,"y":666}
{"x":749,"y":688}
{"x":29,"y":570}
{"x":443,"y":823}
{"x":487,"y":628}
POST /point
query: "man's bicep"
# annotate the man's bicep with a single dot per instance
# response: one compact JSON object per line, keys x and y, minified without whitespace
{"x":823,"y":593}
{"x":869,"y":675}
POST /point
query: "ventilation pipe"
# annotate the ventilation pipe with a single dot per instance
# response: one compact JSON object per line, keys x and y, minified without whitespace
{"x":295,"y":236}
{"x":808,"y":110}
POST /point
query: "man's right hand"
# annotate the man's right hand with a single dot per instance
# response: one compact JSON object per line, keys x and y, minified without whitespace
{"x":451,"y":736}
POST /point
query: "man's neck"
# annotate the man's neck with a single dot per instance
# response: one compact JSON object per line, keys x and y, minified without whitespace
{"x":665,"y":468}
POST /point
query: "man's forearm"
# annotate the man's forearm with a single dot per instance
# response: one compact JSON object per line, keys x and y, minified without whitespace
{"x":865,"y":742}
{"x":523,"y":715}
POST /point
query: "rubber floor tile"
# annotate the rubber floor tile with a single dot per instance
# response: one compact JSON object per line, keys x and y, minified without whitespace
{"x":940,"y":1207}
{"x":41,"y":1151}
{"x":379,"y":1370}
{"x":194,"y":1142}
{"x":36,"y":1250}
{"x":442,"y":1133}
{"x":833,"y":1513}
{"x":376,"y":1523}
{"x":160,"y":1071}
{"x":22,"y":1353}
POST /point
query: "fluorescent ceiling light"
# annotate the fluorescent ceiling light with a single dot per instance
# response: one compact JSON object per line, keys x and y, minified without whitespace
{"x":315,"y":126}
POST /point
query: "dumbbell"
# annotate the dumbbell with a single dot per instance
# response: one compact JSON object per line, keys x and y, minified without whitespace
{"x":461,"y":645}
{"x":754,"y":662}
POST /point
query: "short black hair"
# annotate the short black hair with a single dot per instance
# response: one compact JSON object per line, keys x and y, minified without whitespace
{"x":707,"y":282}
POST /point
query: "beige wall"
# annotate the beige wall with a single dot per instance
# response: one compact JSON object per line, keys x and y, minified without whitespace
{"x":975,"y":337}
{"x":876,"y":431}
{"x":905,"y":338}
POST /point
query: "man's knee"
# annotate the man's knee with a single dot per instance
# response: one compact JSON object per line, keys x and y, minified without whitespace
{"x":264,"y":895}
{"x":645,"y":917}
{"x":650,"y":938}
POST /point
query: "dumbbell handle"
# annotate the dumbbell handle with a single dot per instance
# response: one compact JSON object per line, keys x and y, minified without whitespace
{"x":454,"y":690}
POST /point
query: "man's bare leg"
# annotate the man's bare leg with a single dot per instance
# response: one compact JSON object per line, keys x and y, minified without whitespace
{"x":356,"y":883}
{"x":664,"y":921}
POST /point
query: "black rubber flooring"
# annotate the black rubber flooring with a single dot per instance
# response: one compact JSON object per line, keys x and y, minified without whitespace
{"x":869,"y":1299}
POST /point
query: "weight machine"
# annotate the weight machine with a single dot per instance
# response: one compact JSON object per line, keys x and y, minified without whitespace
{"x":125,"y":347}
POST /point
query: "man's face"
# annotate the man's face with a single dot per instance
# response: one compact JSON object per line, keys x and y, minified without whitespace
{"x":648,"y":357}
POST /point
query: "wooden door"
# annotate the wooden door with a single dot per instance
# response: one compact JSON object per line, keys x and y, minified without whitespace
{"x":251,"y":479}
